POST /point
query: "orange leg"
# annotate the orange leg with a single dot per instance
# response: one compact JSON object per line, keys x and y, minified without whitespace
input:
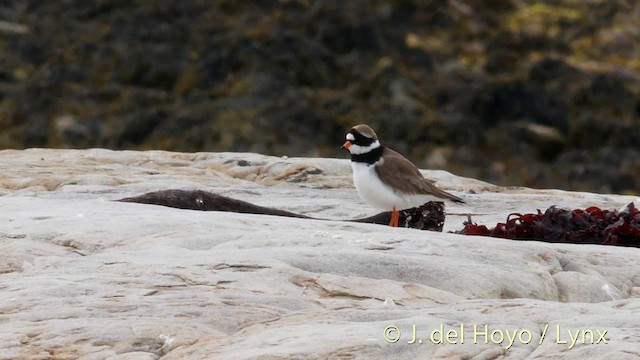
{"x":395,"y":218}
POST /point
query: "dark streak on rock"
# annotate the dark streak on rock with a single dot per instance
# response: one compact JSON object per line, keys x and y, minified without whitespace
{"x":429,"y":216}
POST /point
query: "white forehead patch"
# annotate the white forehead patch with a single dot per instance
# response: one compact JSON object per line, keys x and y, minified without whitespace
{"x":350,"y":137}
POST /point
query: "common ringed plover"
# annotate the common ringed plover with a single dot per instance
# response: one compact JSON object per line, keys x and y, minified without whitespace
{"x":385,"y":179}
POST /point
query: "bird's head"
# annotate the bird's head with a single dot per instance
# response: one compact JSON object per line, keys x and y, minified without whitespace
{"x":361,"y":139}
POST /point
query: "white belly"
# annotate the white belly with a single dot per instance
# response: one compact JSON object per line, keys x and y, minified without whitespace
{"x":375,"y":193}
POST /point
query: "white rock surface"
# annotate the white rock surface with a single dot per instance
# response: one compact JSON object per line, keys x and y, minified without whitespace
{"x":82,"y":276}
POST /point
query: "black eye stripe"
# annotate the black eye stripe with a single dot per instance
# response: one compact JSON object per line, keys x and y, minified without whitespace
{"x":360,"y":139}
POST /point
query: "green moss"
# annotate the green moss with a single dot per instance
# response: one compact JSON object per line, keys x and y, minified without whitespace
{"x":544,"y":19}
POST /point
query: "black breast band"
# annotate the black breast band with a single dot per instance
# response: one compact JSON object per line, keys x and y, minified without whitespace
{"x":368,"y":157}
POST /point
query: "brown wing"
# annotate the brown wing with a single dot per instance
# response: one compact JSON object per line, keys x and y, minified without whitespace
{"x":400,"y":172}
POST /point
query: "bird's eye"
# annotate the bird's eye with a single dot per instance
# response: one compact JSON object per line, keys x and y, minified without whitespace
{"x":350,"y":137}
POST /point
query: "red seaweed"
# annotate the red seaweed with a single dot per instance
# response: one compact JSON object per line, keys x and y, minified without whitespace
{"x":589,"y":226}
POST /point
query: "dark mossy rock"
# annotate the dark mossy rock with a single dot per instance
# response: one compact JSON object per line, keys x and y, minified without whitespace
{"x":290,"y":77}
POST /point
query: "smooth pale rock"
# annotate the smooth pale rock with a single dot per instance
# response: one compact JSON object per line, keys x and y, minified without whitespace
{"x":575,"y":286}
{"x":86,"y":277}
{"x":135,"y":355}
